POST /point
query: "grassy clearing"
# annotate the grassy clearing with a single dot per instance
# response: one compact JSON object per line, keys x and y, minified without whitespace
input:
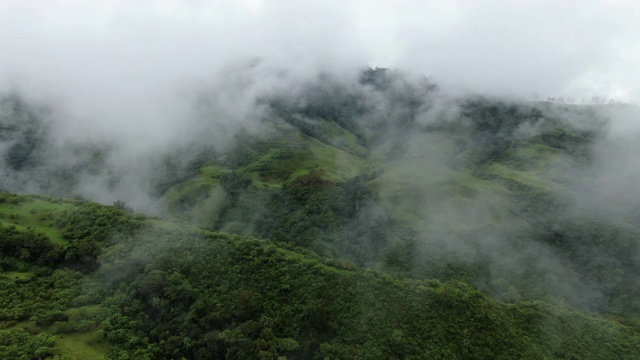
{"x":212,"y":171}
{"x":208,"y":179}
{"x":407,"y":174}
{"x":342,"y":139}
{"x":168,"y":224}
{"x":278,"y":165}
{"x":28,"y":326}
{"x":336,"y":164}
{"x":89,"y":345}
{"x":528,"y":178}
{"x":194,"y":187}
{"x":199,"y":199}
{"x":270,"y":170}
{"x":536,"y":152}
{"x":331,"y":163}
{"x":466,"y":183}
{"x":531,"y":157}
{"x":16,"y":275}
{"x":36,"y":214}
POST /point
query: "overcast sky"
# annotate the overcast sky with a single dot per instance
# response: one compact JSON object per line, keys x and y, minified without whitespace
{"x":104,"y":52}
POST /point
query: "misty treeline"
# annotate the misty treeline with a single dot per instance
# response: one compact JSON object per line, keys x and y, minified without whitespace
{"x":312,"y":169}
{"x":36,"y":159}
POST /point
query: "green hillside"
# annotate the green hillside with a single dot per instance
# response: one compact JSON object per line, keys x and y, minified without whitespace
{"x":378,"y":219}
{"x":486,"y":194}
{"x":167,"y":290}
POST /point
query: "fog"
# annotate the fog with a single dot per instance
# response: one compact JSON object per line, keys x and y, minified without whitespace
{"x":129,"y":70}
{"x":127,"y":55}
{"x":151,"y":74}
{"x":129,"y":90}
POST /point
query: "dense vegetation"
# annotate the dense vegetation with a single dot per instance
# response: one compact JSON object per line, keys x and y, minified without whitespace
{"x":167,"y":290}
{"x":372,"y":220}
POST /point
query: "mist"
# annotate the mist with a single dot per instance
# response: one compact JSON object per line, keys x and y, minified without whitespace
{"x":122,"y":71}
{"x":126,"y":99}
{"x":127,"y":57}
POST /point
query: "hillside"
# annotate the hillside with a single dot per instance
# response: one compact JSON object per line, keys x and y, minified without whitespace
{"x":369,"y":219}
{"x":493,"y":192}
{"x":167,"y":290}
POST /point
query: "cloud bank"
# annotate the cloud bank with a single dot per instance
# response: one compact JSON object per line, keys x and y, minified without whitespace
{"x":138,"y":76}
{"x":128,"y":55}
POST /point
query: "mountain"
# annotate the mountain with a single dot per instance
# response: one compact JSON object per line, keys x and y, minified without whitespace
{"x":424,"y":186}
{"x":375,"y":217}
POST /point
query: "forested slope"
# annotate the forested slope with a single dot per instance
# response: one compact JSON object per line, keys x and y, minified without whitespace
{"x":149,"y":288}
{"x":394,"y":177}
{"x":371,"y":219}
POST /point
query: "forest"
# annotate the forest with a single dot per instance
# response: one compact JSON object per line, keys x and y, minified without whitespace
{"x":378,"y":219}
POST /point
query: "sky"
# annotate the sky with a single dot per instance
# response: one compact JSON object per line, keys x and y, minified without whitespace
{"x":134,"y":55}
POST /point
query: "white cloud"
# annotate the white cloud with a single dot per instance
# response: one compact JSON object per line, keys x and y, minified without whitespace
{"x":129,"y":55}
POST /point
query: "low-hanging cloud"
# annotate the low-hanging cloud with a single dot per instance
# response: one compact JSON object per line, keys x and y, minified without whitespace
{"x":123,"y":58}
{"x":136,"y":77}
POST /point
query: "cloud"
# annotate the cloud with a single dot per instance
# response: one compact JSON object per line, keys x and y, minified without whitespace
{"x":121,"y":54}
{"x":568,"y":48}
{"x":129,"y":73}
